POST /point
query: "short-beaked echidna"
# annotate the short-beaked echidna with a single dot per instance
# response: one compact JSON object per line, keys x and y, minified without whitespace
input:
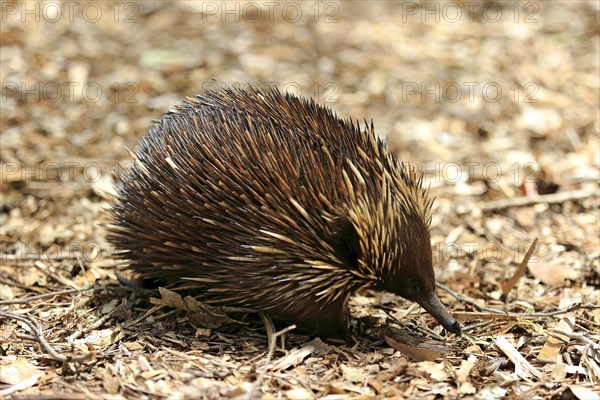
{"x":272,"y":202}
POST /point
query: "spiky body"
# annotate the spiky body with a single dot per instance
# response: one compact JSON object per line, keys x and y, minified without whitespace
{"x":271,"y":202}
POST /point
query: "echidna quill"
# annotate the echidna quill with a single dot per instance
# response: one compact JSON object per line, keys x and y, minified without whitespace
{"x":271,"y":202}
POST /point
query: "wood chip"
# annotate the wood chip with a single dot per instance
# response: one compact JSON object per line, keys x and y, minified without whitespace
{"x":523,"y":368}
{"x":293,"y":358}
{"x":553,"y":345}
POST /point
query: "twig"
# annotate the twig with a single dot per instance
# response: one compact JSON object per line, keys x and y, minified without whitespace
{"x":469,"y":301}
{"x":60,"y":292}
{"x":44,"y":295}
{"x":54,"y":275}
{"x":28,"y":257}
{"x":17,"y":285}
{"x":130,"y":324}
{"x":523,"y":368}
{"x":269,"y":326}
{"x":24,"y":384}
{"x":474,"y":326}
{"x":563,"y":311}
{"x":39,"y":336}
{"x":261,"y":376}
{"x":578,"y":336}
{"x":423,"y":330}
{"x":100,"y":321}
{"x":510,"y":283}
{"x":553,"y":198}
{"x":509,"y":314}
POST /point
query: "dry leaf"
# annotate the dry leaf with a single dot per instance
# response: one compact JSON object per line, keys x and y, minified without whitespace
{"x":475,"y":349}
{"x":342,"y":389}
{"x":110,"y":306}
{"x":465,"y":370}
{"x":492,"y":392}
{"x":17,"y":371}
{"x":321,"y":348}
{"x":91,"y":275}
{"x":31,"y":277}
{"x":294,"y":357}
{"x":559,"y":372}
{"x":203,"y":333}
{"x":525,"y":216}
{"x":570,"y":297}
{"x":298,"y":393}
{"x":199,"y":314}
{"x":551,"y":274}
{"x":203,"y":316}
{"x":584,"y":393}
{"x":353,"y":374}
{"x":169,"y":298}
{"x":6,"y":292}
{"x":509,"y":284}
{"x":467,"y":388}
{"x":133,"y":346}
{"x":110,"y":383}
{"x":553,"y":345}
{"x":438,"y":371}
{"x":98,"y":339}
{"x":414,"y":353}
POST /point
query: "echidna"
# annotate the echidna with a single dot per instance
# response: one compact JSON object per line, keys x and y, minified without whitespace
{"x":272,"y":202}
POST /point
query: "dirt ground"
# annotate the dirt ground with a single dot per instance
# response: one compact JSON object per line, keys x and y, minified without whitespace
{"x":496,"y":102}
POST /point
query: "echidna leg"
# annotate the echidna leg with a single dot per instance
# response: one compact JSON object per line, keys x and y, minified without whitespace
{"x":329,"y":320}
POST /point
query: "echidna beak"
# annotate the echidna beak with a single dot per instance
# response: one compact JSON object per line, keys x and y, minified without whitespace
{"x":434,"y":306}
